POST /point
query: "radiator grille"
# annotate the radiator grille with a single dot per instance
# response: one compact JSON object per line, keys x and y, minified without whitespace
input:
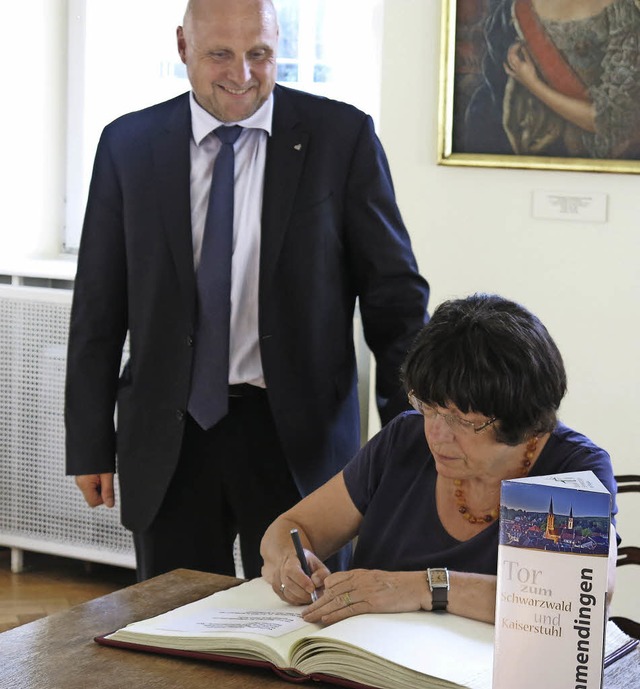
{"x":41,"y":508}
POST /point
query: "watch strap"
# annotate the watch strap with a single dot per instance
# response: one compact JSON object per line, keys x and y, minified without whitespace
{"x":439,"y":598}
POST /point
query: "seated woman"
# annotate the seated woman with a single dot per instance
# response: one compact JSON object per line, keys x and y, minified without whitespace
{"x":486,"y":381}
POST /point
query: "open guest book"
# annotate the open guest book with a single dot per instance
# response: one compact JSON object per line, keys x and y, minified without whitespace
{"x":250,"y":625}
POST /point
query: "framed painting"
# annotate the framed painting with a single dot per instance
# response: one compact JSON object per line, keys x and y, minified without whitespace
{"x":543,"y":84}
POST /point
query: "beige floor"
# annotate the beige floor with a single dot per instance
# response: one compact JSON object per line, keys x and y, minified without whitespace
{"x":50,"y":584}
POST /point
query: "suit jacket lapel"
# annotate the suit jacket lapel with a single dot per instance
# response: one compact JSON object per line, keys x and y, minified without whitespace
{"x":286,"y":153}
{"x":172,"y":163}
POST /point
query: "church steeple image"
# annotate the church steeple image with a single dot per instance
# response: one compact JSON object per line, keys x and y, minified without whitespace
{"x":550,"y":532}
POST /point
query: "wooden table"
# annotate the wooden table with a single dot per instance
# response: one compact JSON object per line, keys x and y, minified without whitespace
{"x":58,"y":652}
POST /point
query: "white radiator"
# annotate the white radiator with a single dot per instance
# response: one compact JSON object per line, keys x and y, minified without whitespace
{"x":40,"y":508}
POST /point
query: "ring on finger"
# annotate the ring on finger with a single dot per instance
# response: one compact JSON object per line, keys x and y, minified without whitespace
{"x":281,"y":588}
{"x":346,"y":599}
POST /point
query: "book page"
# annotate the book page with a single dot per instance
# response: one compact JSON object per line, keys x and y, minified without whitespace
{"x":455,"y":650}
{"x":258,"y":625}
{"x":263,"y":622}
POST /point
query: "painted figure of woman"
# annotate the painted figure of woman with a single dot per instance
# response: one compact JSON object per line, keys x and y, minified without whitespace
{"x":562,"y":78}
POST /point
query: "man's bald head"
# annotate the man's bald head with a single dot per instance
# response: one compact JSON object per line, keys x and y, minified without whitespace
{"x":229,"y":48}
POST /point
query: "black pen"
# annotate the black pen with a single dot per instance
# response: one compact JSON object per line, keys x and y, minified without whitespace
{"x":297,"y":544}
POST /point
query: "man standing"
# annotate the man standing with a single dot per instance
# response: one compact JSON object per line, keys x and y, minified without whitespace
{"x":313,"y":225}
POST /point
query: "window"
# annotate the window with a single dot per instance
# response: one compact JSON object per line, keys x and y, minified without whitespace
{"x":328,"y":47}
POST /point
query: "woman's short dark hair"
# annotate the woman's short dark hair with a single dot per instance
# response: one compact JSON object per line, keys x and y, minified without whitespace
{"x":489,"y":355}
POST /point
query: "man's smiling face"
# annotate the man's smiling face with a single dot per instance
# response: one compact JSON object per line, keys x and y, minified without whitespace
{"x":229,"y":48}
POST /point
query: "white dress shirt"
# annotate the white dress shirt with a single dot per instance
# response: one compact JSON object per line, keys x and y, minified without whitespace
{"x":245,"y":364}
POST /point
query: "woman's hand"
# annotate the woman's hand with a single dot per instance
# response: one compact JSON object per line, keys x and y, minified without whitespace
{"x":362,"y":590}
{"x":326,"y":520}
{"x":292,"y":584}
{"x":520,"y":66}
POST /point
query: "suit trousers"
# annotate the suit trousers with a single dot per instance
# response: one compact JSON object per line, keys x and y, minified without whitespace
{"x":232,"y":479}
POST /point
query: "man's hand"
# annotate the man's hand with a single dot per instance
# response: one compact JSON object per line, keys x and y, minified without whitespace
{"x":97,"y":489}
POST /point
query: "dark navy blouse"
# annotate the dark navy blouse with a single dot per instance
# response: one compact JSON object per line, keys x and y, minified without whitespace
{"x":392,"y":482}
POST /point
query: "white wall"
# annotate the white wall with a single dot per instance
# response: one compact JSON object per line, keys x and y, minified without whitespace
{"x":472,"y":230}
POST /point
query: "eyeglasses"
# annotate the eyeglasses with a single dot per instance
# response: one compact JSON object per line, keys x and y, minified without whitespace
{"x":455,"y":423}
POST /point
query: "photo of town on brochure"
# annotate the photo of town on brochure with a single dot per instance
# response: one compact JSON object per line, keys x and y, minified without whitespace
{"x":546,"y":517}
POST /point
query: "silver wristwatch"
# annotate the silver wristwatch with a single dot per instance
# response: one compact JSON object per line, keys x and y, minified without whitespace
{"x":438,"y":579}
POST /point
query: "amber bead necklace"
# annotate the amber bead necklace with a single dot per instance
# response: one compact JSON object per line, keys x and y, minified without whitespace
{"x":529,"y":454}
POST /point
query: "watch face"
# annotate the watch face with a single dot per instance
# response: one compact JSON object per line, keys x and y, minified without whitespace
{"x":438,"y":577}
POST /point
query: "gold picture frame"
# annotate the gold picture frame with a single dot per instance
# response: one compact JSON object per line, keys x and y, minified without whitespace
{"x":464,"y":47}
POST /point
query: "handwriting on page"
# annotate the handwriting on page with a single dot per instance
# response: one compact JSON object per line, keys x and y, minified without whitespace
{"x":263,"y":622}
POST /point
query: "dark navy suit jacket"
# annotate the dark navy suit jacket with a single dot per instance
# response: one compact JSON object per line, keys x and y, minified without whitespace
{"x":331,"y":233}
